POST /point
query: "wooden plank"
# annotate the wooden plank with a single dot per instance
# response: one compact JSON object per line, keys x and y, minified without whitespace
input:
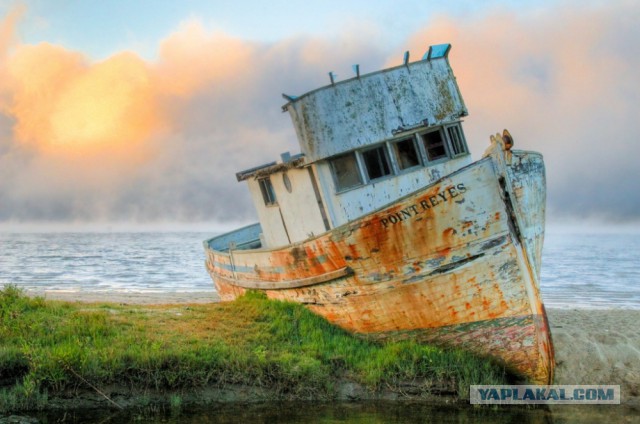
{"x":291,"y":284}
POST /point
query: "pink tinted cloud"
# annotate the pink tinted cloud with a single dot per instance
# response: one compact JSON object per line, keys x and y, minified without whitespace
{"x":126,"y":138}
{"x":564,"y":81}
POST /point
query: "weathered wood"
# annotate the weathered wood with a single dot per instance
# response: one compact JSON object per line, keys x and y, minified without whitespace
{"x":290,"y":284}
{"x":361,"y":111}
{"x":444,"y":264}
{"x":444,"y":250}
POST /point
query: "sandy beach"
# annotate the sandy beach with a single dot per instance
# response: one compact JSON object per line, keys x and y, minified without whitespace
{"x":596,"y":346}
{"x":135,"y":298}
{"x":592,"y":346}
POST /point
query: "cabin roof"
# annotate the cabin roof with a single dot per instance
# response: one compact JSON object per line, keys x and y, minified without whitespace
{"x":434,"y":52}
{"x":288,"y":162}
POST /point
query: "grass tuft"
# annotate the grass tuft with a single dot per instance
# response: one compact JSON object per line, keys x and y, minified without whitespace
{"x":49,"y":347}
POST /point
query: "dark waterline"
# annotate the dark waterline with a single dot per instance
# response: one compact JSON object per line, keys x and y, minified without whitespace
{"x":349,"y":412}
{"x":307,"y":412}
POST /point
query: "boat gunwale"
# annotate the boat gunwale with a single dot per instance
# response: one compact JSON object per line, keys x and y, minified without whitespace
{"x":207,"y":242}
{"x":336,"y":274}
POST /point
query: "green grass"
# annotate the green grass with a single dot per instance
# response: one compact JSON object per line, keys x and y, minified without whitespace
{"x":48,"y":347}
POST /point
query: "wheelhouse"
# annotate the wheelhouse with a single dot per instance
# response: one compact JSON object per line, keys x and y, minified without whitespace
{"x":365,"y":142}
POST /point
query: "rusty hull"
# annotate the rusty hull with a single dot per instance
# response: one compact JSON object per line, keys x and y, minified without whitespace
{"x":456,"y":264}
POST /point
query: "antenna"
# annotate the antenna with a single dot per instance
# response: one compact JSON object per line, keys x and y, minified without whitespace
{"x":427,"y":55}
{"x":331,"y":77}
{"x":405,"y":60}
{"x":356,"y":69}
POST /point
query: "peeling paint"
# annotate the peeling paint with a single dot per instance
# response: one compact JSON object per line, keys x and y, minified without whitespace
{"x":452,"y":269}
{"x":448,"y":253}
{"x":365,"y":110}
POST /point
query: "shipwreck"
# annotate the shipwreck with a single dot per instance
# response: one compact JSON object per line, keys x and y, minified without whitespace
{"x":385,"y":226}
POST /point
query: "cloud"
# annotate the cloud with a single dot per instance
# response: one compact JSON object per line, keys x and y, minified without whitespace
{"x":127,"y":139}
{"x":61,"y":103}
{"x":565,"y":83}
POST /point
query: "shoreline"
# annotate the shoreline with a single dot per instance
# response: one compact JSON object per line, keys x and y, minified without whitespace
{"x":592,"y":346}
{"x":126,"y":298}
{"x":211,"y":296}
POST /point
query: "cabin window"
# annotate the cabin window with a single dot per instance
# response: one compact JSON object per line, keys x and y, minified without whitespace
{"x":268,"y":195}
{"x":434,"y":145}
{"x":406,"y":153}
{"x":346,"y":171}
{"x":376,"y":162}
{"x":457,"y":140}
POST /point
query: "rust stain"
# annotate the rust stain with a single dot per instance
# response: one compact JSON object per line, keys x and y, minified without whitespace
{"x":395,"y":289}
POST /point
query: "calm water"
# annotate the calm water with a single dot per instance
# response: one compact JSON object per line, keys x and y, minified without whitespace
{"x":379,"y":412}
{"x":591,"y":270}
{"x":579,"y":270}
{"x":105,"y":262}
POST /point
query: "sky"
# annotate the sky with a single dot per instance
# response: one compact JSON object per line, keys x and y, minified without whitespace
{"x":142,"y":112}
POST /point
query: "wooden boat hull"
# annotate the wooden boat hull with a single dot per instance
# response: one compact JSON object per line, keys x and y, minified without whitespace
{"x":456,"y":264}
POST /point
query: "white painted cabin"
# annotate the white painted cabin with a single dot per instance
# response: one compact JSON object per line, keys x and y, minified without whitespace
{"x":365,"y":142}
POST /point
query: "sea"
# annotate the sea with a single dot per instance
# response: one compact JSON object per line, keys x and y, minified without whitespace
{"x":580,"y":269}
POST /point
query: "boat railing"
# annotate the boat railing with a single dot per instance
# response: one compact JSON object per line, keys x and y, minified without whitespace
{"x":241,"y":239}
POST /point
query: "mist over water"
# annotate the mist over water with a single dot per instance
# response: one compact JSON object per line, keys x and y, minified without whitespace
{"x":596,"y":270}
